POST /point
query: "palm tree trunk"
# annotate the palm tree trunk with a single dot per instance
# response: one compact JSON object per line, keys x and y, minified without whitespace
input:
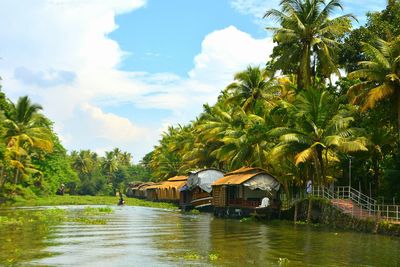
{"x":304,"y":73}
{"x":309,"y":209}
{"x":1,"y":176}
{"x":398,"y":114}
{"x":16,"y":176}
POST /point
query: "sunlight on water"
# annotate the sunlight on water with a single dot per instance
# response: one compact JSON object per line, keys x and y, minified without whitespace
{"x":137,"y":236}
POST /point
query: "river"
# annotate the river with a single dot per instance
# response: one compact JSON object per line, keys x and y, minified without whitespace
{"x":138,"y":236}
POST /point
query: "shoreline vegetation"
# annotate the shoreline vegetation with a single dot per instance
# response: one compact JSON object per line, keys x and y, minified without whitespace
{"x":85,"y":200}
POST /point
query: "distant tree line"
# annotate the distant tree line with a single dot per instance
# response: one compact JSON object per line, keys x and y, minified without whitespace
{"x":33,"y":161}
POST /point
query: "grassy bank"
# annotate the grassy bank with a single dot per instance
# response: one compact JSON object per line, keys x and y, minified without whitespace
{"x":86,"y":200}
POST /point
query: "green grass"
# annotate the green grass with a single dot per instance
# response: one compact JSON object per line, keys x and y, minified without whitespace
{"x":88,"y":200}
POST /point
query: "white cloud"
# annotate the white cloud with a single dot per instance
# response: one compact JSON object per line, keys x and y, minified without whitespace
{"x":257,"y":8}
{"x":66,"y":62}
{"x":108,"y":125}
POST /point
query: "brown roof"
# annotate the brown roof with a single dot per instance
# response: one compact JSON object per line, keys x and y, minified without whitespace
{"x":168,"y":185}
{"x":235,"y":179}
{"x":153,"y":186}
{"x":144,"y":185}
{"x":178,"y":178}
{"x":172,"y":184}
{"x":245,"y":170}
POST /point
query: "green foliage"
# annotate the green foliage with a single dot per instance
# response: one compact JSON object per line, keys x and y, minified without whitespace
{"x":307,"y":31}
{"x":383,"y":25}
{"x":56,"y":169}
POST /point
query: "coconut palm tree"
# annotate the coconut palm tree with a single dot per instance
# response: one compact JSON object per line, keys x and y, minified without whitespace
{"x":307,"y":32}
{"x":26,"y":129}
{"x":252,"y":86}
{"x":82,"y":162}
{"x":126,"y":158}
{"x":320,"y":128}
{"x":164,"y":162}
{"x":379,"y":76}
{"x":110,"y":165}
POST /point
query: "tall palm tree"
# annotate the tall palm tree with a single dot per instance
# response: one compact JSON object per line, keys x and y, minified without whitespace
{"x":26,"y":129}
{"x":307,"y":32}
{"x":380,"y":76}
{"x":321,"y":128}
{"x":110,"y":165}
{"x":251,"y":86}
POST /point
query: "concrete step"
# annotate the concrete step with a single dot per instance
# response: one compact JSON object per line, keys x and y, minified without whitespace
{"x":347,"y":206}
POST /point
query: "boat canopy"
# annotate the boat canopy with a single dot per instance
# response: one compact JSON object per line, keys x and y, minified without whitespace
{"x":204,"y":179}
{"x":253,"y":178}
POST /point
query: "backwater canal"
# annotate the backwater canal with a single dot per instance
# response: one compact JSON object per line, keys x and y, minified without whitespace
{"x":139,"y":236}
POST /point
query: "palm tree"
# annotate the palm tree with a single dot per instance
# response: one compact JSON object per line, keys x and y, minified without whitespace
{"x":380,"y":76}
{"x":82,"y":162}
{"x":244,"y":143}
{"x":164,"y":162}
{"x":251,"y":86}
{"x":321,"y":128}
{"x":307,"y":32}
{"x":26,"y":129}
{"x":110,"y":165}
{"x":126,"y":158}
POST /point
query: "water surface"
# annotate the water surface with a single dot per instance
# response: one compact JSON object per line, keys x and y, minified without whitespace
{"x":138,"y":236}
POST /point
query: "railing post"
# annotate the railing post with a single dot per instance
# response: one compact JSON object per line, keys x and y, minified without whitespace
{"x":387,"y":212}
{"x":397,"y":213}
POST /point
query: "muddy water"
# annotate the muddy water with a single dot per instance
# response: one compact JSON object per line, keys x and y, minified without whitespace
{"x":136,"y":236}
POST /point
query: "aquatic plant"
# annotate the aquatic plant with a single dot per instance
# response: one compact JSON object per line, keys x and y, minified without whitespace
{"x":213,"y":257}
{"x":283,"y":261}
{"x":191,"y":255}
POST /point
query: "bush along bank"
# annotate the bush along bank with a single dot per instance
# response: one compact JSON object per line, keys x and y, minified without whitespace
{"x":323,"y":212}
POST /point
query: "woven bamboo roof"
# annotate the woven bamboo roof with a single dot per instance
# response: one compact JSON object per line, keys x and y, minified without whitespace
{"x":235,"y":179}
{"x":245,"y":170}
{"x":178,"y":178}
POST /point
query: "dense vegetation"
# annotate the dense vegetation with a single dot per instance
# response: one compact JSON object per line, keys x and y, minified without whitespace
{"x":289,"y":117}
{"x":292,"y":119}
{"x":33,"y":161}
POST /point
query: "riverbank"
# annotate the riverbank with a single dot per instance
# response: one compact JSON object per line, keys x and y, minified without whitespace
{"x":85,"y":200}
{"x":325,"y":213}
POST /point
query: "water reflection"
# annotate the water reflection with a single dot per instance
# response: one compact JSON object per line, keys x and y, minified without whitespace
{"x":136,"y":236}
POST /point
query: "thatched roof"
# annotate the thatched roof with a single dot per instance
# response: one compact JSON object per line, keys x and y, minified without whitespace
{"x":254,"y":178}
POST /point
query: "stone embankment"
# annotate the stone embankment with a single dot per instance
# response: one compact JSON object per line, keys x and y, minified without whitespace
{"x":334,"y":214}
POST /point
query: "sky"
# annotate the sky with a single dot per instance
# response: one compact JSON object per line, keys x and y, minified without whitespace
{"x":117,"y":73}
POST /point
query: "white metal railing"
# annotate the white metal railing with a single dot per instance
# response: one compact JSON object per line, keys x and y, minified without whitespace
{"x":362,"y":205}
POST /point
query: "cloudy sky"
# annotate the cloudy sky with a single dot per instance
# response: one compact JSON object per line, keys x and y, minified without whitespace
{"x":116,"y":73}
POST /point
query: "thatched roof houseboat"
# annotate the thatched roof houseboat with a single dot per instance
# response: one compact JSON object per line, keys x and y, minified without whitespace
{"x":240,"y":193}
{"x":197,"y":192}
{"x":170,"y":190}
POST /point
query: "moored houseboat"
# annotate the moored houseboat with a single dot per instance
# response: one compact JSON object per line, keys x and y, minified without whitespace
{"x":242,"y":193}
{"x":197,"y":192}
{"x":169,"y":191}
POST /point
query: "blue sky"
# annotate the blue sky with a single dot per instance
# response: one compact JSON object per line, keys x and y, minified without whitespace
{"x":166,"y":35}
{"x":117,"y":73}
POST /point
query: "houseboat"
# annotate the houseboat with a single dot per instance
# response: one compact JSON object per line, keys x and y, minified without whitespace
{"x":242,"y":193}
{"x":169,"y":191}
{"x":197,"y":191}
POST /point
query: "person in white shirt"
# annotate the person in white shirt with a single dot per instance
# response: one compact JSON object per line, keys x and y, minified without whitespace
{"x":264,"y":202}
